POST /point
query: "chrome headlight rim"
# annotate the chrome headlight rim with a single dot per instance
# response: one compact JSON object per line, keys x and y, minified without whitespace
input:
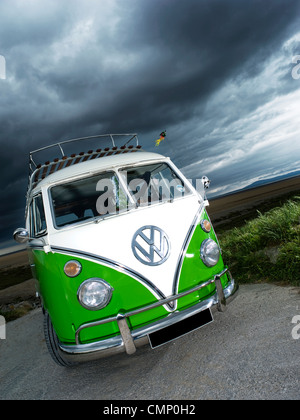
{"x":209,"y":260}
{"x":107,"y":287}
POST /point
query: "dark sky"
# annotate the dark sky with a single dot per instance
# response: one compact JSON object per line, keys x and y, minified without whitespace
{"x":217,"y":74}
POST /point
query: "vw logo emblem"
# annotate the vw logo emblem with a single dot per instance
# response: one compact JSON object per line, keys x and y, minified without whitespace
{"x":150,"y":245}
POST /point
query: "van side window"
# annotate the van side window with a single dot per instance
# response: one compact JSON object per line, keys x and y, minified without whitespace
{"x":37,"y":217}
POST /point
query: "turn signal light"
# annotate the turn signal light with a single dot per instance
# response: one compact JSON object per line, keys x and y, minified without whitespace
{"x":206,"y":226}
{"x":72,"y":268}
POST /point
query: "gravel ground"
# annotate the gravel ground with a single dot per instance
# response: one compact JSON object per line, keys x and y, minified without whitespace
{"x":248,"y":352}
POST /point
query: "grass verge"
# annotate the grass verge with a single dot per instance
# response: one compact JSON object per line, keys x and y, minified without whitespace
{"x":266,"y":248}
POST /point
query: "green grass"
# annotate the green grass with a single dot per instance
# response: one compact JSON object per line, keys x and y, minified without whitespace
{"x":266,"y":248}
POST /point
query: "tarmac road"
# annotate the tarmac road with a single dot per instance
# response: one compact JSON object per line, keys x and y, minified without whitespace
{"x":248,"y":352}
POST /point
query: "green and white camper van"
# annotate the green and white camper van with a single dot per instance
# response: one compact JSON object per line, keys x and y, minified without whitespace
{"x":122,"y":249}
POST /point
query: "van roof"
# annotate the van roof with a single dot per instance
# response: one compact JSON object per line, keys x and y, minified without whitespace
{"x":68,"y":166}
{"x":92,"y":166}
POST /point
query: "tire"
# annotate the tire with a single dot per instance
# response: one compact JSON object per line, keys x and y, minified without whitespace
{"x":52,"y":343}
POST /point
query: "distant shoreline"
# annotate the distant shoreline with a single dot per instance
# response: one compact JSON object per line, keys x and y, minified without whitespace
{"x":229,"y":208}
{"x":253,"y":187}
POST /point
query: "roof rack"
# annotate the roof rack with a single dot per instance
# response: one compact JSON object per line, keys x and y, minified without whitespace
{"x":37,"y":172}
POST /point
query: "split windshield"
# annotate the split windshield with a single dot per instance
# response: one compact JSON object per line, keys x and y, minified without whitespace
{"x":112,"y":193}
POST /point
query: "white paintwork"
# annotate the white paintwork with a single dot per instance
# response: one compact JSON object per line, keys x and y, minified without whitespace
{"x":111,"y":238}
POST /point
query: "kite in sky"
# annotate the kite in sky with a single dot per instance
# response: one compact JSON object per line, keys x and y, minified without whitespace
{"x":162,"y":137}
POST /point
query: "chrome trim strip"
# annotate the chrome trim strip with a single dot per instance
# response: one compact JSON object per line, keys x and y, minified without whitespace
{"x":113,"y":264}
{"x":185,"y":247}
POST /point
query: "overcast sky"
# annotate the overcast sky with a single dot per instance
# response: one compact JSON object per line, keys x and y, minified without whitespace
{"x":216,"y":74}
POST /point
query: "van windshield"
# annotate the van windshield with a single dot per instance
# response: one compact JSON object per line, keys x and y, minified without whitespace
{"x":87,"y":198}
{"x":103,"y":194}
{"x":154,"y":183}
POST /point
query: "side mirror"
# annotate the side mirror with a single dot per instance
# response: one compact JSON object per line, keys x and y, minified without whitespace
{"x":205,"y":182}
{"x":21,"y":235}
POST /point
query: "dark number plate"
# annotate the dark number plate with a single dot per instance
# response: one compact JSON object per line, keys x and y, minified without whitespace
{"x":181,"y":328}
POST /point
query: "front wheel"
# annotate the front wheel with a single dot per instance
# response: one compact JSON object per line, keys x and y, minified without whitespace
{"x":52,"y":343}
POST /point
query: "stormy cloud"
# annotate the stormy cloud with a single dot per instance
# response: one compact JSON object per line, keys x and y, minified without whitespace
{"x":216,"y":74}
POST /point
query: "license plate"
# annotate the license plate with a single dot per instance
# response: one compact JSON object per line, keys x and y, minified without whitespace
{"x":165,"y":335}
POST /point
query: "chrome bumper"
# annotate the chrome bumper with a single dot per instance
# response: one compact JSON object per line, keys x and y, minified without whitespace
{"x":128,"y":341}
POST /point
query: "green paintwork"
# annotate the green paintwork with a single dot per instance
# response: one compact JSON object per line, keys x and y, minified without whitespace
{"x":194,"y":271}
{"x":59,"y":292}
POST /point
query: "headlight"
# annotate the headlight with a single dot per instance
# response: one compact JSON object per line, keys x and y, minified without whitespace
{"x":72,"y":268}
{"x":94,"y":294}
{"x":209,"y":252}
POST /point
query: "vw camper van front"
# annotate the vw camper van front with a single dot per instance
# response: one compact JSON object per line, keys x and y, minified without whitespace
{"x":123,"y":252}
